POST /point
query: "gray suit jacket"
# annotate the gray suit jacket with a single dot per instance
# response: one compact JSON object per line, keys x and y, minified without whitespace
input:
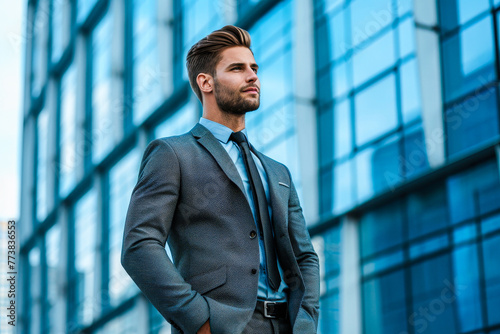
{"x":189,"y":192}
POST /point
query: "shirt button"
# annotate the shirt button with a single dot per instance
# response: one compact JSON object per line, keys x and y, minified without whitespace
{"x":254,"y":271}
{"x":253,"y":234}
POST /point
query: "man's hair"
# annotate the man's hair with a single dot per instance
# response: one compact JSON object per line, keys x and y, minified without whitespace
{"x":204,"y":56}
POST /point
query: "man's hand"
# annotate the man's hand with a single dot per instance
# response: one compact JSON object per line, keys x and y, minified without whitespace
{"x":205,"y":329}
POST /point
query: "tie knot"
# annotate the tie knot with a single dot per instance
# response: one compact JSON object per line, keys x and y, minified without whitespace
{"x":238,"y":137}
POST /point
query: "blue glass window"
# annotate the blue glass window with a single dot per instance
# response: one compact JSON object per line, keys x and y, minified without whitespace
{"x":341,"y":78}
{"x":428,"y":246}
{"x":54,"y":277}
{"x":492,"y":278}
{"x":329,"y":317}
{"x":150,"y":74}
{"x":470,"y":59}
{"x":376,"y":116}
{"x":457,"y":12}
{"x":382,"y":262}
{"x":328,"y":247}
{"x":410,"y":91}
{"x":34,"y":301}
{"x":404,"y":7}
{"x":342,"y":129}
{"x":374,"y":58}
{"x":384,"y":304}
{"x":368,"y":17}
{"x":427,"y":211}
{"x":464,"y":233}
{"x":61,"y":25}
{"x":433,"y":293}
{"x":472,"y":122}
{"x":465,"y":264}
{"x":84,"y":7}
{"x":104,"y":113}
{"x":325,"y":123}
{"x":326,"y":191}
{"x":70,"y":156}
{"x":343,"y":195}
{"x":86,"y":223}
{"x":180,"y":122}
{"x":338,"y":44}
{"x":381,"y":229}
{"x":415,"y":152}
{"x":378,"y":168}
{"x":490,"y":224}
{"x":407,"y":35}
{"x":42,"y":165}
{"x":39,"y":40}
{"x":128,"y":322}
{"x":475,"y":188}
{"x":122,"y":178}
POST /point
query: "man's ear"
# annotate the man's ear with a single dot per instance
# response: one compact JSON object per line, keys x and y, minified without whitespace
{"x":205,"y":82}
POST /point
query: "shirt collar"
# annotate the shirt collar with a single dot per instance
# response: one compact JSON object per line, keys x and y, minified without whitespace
{"x":221,"y":132}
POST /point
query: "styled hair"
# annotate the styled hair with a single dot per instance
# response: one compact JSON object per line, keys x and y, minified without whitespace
{"x":204,"y":56}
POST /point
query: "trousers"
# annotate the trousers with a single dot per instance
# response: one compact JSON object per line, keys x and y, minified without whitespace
{"x":259,"y":324}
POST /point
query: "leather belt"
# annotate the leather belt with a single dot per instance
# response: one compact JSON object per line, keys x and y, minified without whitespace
{"x":272,"y":309}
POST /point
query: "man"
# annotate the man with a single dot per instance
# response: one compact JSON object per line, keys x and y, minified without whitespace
{"x":244,"y":262}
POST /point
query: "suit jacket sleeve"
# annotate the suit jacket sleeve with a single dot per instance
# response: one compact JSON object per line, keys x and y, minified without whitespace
{"x":147,"y":226}
{"x":308,"y":262}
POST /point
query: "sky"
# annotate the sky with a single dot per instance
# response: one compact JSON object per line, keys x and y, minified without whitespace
{"x":12,"y":40}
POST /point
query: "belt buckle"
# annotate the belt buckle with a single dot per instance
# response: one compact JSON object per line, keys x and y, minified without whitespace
{"x":267,"y":315}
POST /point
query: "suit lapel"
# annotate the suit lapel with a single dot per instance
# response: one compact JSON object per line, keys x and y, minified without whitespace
{"x":207,"y":140}
{"x":277,"y":192}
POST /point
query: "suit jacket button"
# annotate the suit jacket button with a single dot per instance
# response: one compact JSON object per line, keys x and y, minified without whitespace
{"x":254,"y":271}
{"x":253,"y":234}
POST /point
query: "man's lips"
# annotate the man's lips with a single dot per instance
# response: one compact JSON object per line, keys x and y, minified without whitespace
{"x":251,"y":90}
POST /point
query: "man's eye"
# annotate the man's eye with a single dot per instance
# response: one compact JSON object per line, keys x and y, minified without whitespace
{"x":237,"y":68}
{"x":255,"y":70}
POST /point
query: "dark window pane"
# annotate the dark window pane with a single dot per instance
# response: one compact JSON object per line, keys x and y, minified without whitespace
{"x":490,"y":224}
{"x":467,"y":188}
{"x":325,"y":138}
{"x":472,"y":122}
{"x":427,"y":211}
{"x":467,"y":282}
{"x":381,"y":229}
{"x":326,"y":191}
{"x":329,"y":315}
{"x":433,"y":295}
{"x":384,"y":304}
{"x":492,"y":278}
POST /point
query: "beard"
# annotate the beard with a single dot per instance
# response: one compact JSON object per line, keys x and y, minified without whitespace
{"x":232,"y":102}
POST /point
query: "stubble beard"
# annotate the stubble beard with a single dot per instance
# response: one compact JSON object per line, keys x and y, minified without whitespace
{"x":232,"y":102}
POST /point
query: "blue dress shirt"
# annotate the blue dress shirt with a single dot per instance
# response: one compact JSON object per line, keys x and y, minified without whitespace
{"x":222,"y":133}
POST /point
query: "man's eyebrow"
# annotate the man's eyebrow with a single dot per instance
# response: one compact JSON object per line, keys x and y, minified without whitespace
{"x":254,"y":65}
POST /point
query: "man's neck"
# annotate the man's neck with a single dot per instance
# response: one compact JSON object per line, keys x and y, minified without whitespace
{"x":234,"y":122}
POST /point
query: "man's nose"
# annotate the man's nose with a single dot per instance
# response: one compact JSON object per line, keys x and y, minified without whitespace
{"x":252,"y":76}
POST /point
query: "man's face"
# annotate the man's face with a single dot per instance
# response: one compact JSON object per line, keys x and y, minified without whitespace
{"x":236,"y":85}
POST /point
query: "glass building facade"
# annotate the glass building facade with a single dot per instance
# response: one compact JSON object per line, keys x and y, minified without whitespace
{"x":386,"y":112}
